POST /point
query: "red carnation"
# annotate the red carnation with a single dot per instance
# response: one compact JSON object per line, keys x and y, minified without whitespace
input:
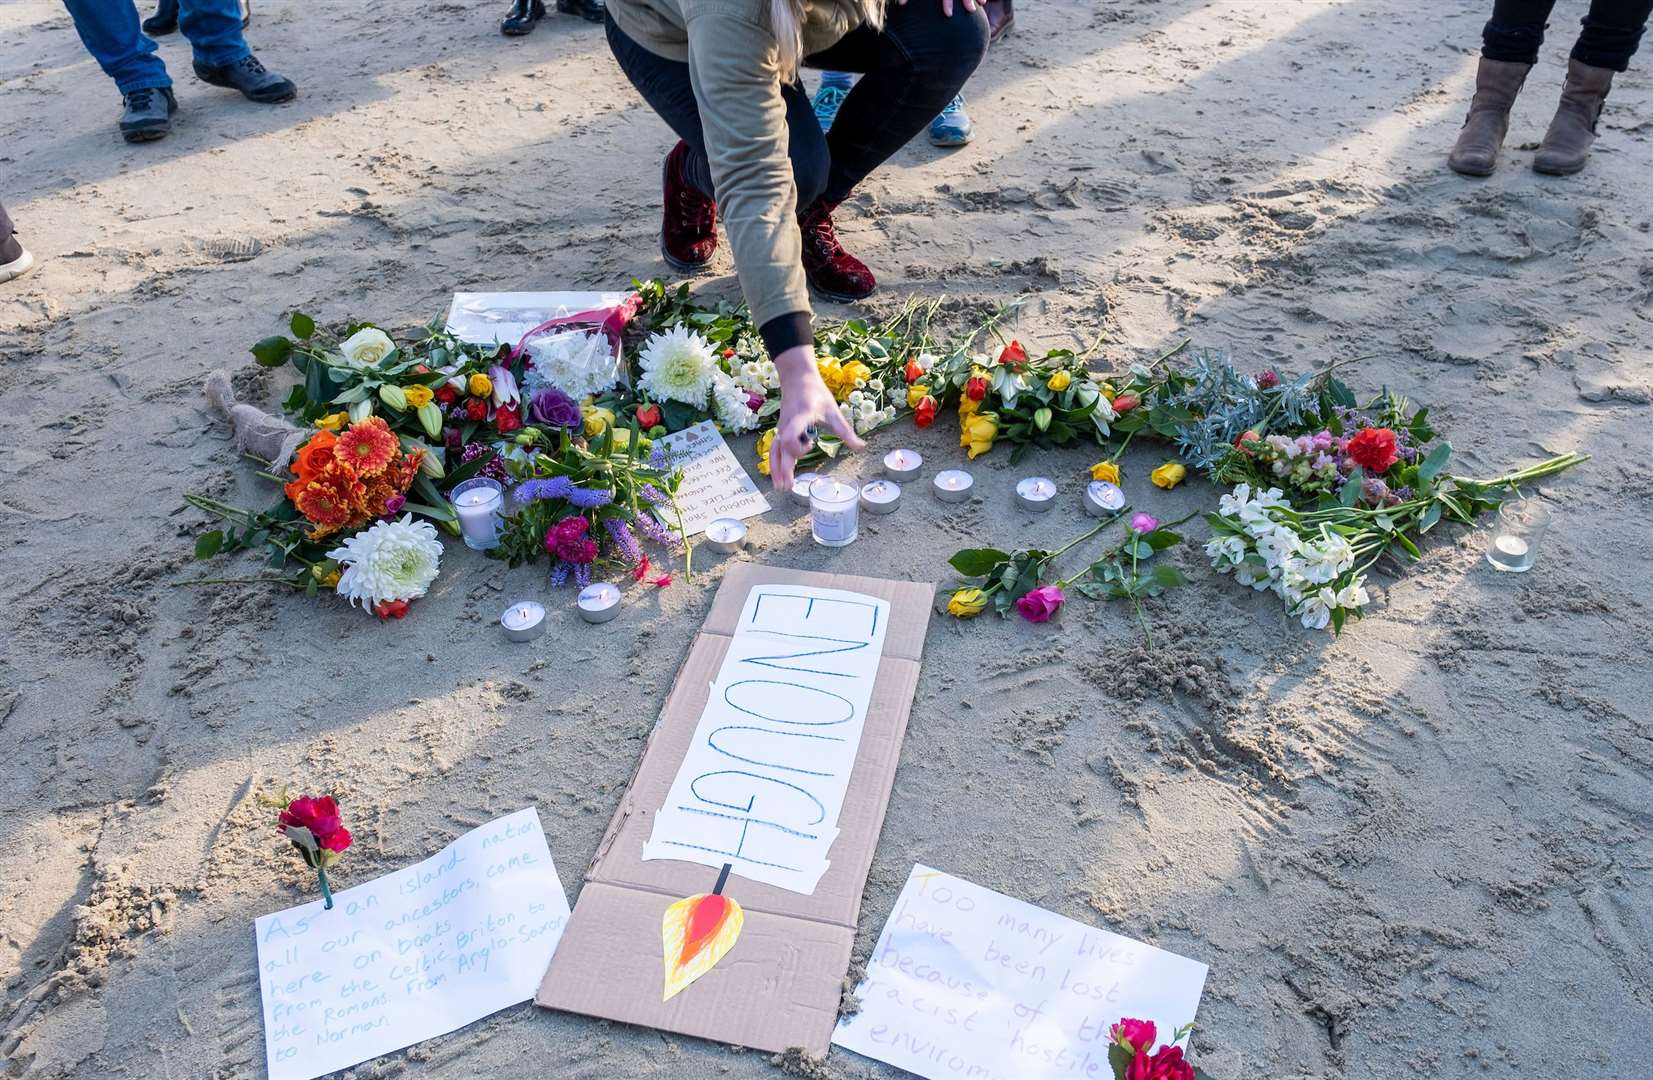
{"x":1014,"y":355}
{"x":1168,"y":1064}
{"x":507,"y":418}
{"x":976,"y":388}
{"x":476,"y":409}
{"x":320,"y":816}
{"x":446,"y":394}
{"x":925,"y":414}
{"x":648,"y":417}
{"x":1374,"y":450}
{"x":337,"y":840}
{"x":316,"y":829}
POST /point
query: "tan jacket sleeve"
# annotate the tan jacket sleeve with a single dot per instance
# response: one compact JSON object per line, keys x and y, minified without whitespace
{"x":737,"y":87}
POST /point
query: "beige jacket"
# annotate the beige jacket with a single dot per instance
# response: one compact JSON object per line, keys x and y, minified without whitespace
{"x":733,"y":65}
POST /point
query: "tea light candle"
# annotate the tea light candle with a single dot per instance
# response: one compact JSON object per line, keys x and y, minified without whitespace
{"x":953,"y":485}
{"x":477,"y":503}
{"x":1036,"y":493}
{"x":599,"y":602}
{"x":800,"y":487}
{"x":523,"y":620}
{"x":903,"y":465}
{"x":834,"y":512}
{"x":1103,"y":498}
{"x":726,"y":535}
{"x":1513,"y":546}
{"x":881,"y":496}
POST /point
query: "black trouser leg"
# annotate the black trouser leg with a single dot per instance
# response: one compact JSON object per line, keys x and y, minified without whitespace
{"x":1612,"y":31}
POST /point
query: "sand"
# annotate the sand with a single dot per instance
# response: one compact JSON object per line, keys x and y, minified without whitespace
{"x":1418,"y":850}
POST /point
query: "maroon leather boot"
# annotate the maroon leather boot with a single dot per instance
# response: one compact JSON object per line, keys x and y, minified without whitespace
{"x":688,"y":232}
{"x":834,"y":272}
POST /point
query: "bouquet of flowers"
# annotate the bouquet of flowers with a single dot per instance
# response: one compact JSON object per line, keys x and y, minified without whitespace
{"x":1132,"y":1056}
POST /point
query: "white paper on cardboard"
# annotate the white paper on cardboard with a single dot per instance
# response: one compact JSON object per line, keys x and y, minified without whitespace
{"x":763,"y":781}
{"x":502,"y":318}
{"x":410,"y":955}
{"x":969,"y":982}
{"x":714,"y":484}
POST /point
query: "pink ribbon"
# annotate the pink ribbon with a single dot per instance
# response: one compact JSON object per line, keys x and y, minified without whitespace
{"x":610,"y":320}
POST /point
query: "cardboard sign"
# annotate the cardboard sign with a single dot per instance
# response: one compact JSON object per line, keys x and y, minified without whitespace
{"x":502,"y":318}
{"x":411,"y":955}
{"x":969,"y":982}
{"x":714,"y":484}
{"x":780,"y":983}
{"x":764,"y":778}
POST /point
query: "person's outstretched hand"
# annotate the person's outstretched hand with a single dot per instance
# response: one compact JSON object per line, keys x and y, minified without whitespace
{"x":947,"y":5}
{"x":805,"y":403}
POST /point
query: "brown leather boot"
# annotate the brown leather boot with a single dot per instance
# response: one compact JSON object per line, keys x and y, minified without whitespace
{"x":1496,"y":84}
{"x":1567,"y":144}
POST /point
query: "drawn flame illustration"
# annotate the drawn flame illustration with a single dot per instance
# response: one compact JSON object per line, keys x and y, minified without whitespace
{"x":697,"y":932}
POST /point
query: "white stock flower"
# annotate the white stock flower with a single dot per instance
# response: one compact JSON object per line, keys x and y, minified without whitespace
{"x":1277,"y":545}
{"x":394,"y":560}
{"x":678,"y":365}
{"x":1225,"y":552}
{"x":580,"y":363}
{"x":368,"y":345}
{"x":757,"y":376}
{"x":1235,"y":503}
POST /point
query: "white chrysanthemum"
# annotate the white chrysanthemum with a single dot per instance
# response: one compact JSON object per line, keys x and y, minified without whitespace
{"x":368,"y":345}
{"x":394,"y":560}
{"x":678,"y":365}
{"x":730,"y":405}
{"x":757,"y":376}
{"x":580,"y":363}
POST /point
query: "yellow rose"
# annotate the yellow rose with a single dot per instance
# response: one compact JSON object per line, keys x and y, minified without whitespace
{"x":967,"y":604}
{"x":978,"y":434}
{"x":334,"y":422}
{"x":832,"y":373}
{"x":1059,"y":381}
{"x":418,"y":396}
{"x":596,"y":418}
{"x":1105,"y":470}
{"x":765,"y":441}
{"x":1108,"y":391}
{"x":915,"y":394}
{"x":967,"y":408}
{"x":480,"y":385}
{"x":855,"y":373}
{"x":1168,"y":475}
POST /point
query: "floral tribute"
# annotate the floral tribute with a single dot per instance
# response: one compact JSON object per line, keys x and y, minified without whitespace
{"x":1132,"y":1056}
{"x":317,"y":831}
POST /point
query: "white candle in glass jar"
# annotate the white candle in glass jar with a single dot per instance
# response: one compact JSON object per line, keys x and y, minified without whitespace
{"x":477,"y":503}
{"x":834,"y":512}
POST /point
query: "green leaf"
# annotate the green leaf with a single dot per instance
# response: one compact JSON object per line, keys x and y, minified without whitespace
{"x":1430,"y":517}
{"x":302,"y":326}
{"x":1340,"y":393}
{"x":1339,"y":617}
{"x":272,"y":351}
{"x":1435,"y":462}
{"x":1167,"y":577}
{"x":977,"y":562}
{"x":1351,"y":488}
{"x":315,"y":384}
{"x":209,"y":544}
{"x":1119,"y":1059}
{"x":1160,"y":539}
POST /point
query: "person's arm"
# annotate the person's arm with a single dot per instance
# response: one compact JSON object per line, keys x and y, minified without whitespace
{"x":738,"y":90}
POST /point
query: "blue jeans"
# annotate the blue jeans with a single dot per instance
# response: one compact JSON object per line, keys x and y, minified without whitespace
{"x":110,"y":30}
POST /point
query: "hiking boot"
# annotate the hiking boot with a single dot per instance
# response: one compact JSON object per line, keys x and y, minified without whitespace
{"x":1496,"y":84}
{"x":688,"y":234}
{"x":148,"y":114}
{"x":834,"y":272}
{"x":835,"y":87}
{"x":952,"y":127}
{"x":164,"y":21}
{"x":522,"y":18}
{"x":589,"y":10}
{"x":1566,"y":145}
{"x":255,"y":81}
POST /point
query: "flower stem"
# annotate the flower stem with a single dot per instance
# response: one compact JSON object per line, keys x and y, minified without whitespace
{"x":326,"y":893}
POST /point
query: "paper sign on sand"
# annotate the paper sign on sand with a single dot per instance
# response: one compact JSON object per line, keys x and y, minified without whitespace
{"x":714,"y":484}
{"x":967,"y":982}
{"x":501,"y":318}
{"x":779,"y":985}
{"x":411,"y":955}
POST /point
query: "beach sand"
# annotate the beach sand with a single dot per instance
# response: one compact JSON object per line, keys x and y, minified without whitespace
{"x":1420,"y":849}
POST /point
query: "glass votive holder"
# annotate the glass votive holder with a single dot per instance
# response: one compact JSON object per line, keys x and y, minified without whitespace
{"x":834,"y":512}
{"x":478,"y":504}
{"x":1516,"y":531}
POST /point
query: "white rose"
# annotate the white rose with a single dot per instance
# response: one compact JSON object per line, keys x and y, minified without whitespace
{"x":367,"y":346}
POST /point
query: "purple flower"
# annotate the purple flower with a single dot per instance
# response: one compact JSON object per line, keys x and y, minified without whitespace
{"x":559,"y":575}
{"x":553,"y":408}
{"x":394,"y":504}
{"x":450,"y":439}
{"x":557,"y":487}
{"x":494,"y":470}
{"x":654,"y":494}
{"x":1142,"y":524}
{"x":623,"y":539}
{"x":589,"y":499}
{"x":582,"y":575}
{"x":656,"y":531}
{"x":1374,"y":491}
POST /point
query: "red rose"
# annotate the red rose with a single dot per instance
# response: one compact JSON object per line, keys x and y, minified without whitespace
{"x":320,"y":816}
{"x":648,"y":417}
{"x":925,"y":414}
{"x":1139,"y":1035}
{"x":1168,"y":1064}
{"x":913,"y":372}
{"x":446,"y":394}
{"x":1246,"y":441}
{"x":476,"y":409}
{"x":337,"y":840}
{"x":1124,"y":403}
{"x":976,"y":388}
{"x":507,"y":418}
{"x":1374,"y":450}
{"x":1013,"y":355}
{"x":391,"y":609}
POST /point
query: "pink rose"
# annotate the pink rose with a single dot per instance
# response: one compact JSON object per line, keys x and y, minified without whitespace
{"x":1168,"y":1064}
{"x":1139,"y":1035}
{"x":1144,"y":523}
{"x":1040,"y":604}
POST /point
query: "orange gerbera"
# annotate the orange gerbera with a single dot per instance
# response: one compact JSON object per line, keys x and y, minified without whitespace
{"x":333,"y":500}
{"x":367,"y":447}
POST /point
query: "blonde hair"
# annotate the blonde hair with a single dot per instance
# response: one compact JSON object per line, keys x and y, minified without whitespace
{"x":787,"y":18}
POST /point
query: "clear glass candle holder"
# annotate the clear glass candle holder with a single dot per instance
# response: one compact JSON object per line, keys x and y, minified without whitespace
{"x":479,"y":503}
{"x":1519,"y":526}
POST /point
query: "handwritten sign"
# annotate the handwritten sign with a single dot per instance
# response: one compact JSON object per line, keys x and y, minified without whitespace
{"x":502,"y":318}
{"x":969,"y":982}
{"x":764,"y":777}
{"x":714,"y":484}
{"x":411,"y":955}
